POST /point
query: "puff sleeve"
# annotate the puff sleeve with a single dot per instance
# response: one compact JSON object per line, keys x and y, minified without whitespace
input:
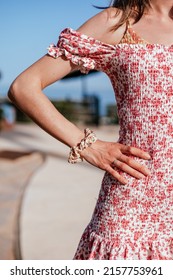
{"x":84,"y":51}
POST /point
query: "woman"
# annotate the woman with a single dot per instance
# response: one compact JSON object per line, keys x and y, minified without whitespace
{"x":131,"y":41}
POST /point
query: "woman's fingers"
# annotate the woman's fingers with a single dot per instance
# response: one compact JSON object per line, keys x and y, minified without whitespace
{"x":126,"y":168}
{"x":101,"y":154}
{"x":116,"y":175}
{"x":129,"y":165}
{"x":134,"y":167}
{"x":134,"y":151}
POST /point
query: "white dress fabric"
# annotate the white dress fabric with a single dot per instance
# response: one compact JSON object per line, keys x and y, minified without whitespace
{"x":132,"y":221}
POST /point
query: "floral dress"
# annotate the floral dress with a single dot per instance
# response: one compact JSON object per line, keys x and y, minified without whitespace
{"x":132,"y":221}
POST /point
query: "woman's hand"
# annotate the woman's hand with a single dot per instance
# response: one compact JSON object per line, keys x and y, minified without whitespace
{"x":107,"y":155}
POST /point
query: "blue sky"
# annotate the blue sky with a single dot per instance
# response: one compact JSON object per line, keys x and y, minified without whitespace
{"x":28,"y":27}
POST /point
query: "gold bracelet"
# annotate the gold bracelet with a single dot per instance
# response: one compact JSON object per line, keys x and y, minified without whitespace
{"x":86,"y":142}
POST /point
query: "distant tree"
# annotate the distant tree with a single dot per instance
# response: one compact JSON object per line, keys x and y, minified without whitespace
{"x":111,"y":113}
{"x":1,"y":112}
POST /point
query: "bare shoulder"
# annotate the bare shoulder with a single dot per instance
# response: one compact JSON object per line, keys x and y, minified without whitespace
{"x":101,"y":26}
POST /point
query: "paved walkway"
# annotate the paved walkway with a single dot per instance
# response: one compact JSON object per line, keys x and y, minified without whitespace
{"x":16,"y":169}
{"x":60,"y":197}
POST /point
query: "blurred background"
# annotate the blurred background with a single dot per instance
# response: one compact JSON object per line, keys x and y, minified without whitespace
{"x":46,"y":203}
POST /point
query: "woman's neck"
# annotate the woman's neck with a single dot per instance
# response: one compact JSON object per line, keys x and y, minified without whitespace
{"x":161,"y":7}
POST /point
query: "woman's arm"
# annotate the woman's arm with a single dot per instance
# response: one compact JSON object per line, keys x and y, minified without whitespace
{"x":26,"y":92}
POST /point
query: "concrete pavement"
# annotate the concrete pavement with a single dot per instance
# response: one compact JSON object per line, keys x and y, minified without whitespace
{"x":60,"y":197}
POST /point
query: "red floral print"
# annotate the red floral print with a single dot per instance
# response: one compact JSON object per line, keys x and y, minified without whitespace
{"x":132,"y":221}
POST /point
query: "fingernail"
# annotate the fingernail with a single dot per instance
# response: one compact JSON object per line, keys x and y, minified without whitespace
{"x":148,"y":173}
{"x":125,"y":182}
{"x":148,"y":156}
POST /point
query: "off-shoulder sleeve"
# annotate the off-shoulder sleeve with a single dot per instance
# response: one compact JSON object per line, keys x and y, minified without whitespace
{"x":84,"y":51}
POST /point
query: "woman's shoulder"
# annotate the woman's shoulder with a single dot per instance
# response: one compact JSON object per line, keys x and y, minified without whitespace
{"x":102,"y":26}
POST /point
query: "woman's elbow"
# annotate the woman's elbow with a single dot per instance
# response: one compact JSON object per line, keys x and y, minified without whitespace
{"x":22,"y":86}
{"x":14,"y":90}
{"x":17,"y":88}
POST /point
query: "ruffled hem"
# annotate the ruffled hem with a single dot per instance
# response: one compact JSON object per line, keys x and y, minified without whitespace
{"x":94,"y":247}
{"x":84,"y":51}
{"x":85,"y":63}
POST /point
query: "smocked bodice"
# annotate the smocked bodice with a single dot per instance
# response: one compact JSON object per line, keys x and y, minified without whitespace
{"x":132,"y":221}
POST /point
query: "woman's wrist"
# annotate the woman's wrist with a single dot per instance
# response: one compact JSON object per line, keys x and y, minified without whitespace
{"x":76,"y":151}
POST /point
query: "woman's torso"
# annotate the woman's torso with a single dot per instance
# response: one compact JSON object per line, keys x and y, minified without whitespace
{"x":142,"y":78}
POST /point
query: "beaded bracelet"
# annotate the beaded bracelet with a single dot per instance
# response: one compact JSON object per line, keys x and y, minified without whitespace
{"x":86,"y":142}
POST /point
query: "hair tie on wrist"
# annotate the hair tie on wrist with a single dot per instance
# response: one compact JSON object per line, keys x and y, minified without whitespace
{"x":86,"y":142}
